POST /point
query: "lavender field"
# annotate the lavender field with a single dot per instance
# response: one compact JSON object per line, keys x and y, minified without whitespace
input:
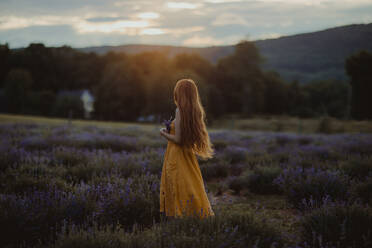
{"x":85,"y":186}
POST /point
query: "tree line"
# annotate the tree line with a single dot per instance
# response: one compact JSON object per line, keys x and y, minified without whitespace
{"x":126,"y":86}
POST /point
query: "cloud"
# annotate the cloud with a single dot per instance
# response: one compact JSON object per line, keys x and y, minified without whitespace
{"x":81,"y":25}
{"x":222,"y":1}
{"x":103,"y":19}
{"x":229,"y":19}
{"x":148,"y":15}
{"x":182,"y":5}
{"x":15,"y":22}
{"x":187,"y":22}
{"x":171,"y":32}
{"x":122,"y":26}
{"x":152,"y":31}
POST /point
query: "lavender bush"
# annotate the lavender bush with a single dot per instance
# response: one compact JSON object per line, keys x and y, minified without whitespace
{"x":338,"y":224}
{"x":104,"y":182}
{"x":225,"y":230}
{"x":299,"y":184}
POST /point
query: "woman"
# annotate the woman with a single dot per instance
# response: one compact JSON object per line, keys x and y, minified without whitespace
{"x":182,"y":189}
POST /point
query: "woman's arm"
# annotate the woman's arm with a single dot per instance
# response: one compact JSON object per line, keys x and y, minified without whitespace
{"x":176,"y":138}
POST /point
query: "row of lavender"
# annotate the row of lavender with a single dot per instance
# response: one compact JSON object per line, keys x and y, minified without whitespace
{"x":53,"y":177}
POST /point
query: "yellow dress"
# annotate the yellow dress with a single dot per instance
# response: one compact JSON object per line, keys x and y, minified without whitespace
{"x":182,"y":189}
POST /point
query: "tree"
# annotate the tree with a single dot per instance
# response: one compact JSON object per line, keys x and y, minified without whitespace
{"x":40,"y":102}
{"x":358,"y":67}
{"x":276,"y":94}
{"x":119,"y":95}
{"x":157,"y":81}
{"x":17,"y":85}
{"x":326,"y":97}
{"x":241,"y":80}
{"x":4,"y":63}
{"x":68,"y":104}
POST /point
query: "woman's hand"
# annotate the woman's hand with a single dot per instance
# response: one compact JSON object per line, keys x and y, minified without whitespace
{"x":163,"y":131}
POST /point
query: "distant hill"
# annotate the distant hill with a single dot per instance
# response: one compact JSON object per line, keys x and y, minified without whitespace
{"x":306,"y":57}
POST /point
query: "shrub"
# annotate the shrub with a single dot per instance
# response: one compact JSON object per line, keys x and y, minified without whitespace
{"x":314,"y":151}
{"x":261,"y":180}
{"x":278,"y":126}
{"x":360,"y":144}
{"x":237,"y":183}
{"x":70,"y":156}
{"x":237,"y":169}
{"x":338,"y":225}
{"x":30,"y":217}
{"x":362,"y":190}
{"x":223,"y":230}
{"x":83,"y":172}
{"x":304,"y":140}
{"x":24,"y":183}
{"x":135,"y":201}
{"x":9,"y":156}
{"x":357,"y":168}
{"x":235,"y":154}
{"x":215,"y":170}
{"x":299,"y":184}
{"x":37,"y":215}
{"x":325,"y":125}
{"x":255,"y":159}
{"x":283,"y":139}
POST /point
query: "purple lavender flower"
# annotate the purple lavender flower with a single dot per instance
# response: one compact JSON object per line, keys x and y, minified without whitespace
{"x":167,"y":124}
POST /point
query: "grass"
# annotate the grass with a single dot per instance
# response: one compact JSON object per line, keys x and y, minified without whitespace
{"x":292,"y":124}
{"x":268,"y":123}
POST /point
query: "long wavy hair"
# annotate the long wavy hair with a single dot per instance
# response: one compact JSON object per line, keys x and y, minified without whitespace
{"x":194,"y":133}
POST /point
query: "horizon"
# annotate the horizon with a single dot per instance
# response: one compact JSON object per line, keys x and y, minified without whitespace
{"x":190,"y":23}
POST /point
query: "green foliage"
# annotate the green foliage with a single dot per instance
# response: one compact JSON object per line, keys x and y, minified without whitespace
{"x":127,"y":87}
{"x":258,"y":181}
{"x":237,"y":183}
{"x":26,"y":182}
{"x":308,"y":187}
{"x":241,"y":79}
{"x":140,"y":205}
{"x":17,"y":84}
{"x":327,"y":97}
{"x":276,"y":94}
{"x":261,"y":179}
{"x":357,"y":168}
{"x":39,"y":215}
{"x":68,"y":106}
{"x":362,"y":190}
{"x":358,"y":67}
{"x":338,"y":225}
{"x":234,"y":154}
{"x":223,"y":230}
{"x":56,"y":180}
{"x":39,"y":102}
{"x":219,"y":169}
{"x":325,"y":125}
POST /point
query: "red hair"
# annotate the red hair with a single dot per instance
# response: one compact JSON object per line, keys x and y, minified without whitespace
{"x":194,"y":133}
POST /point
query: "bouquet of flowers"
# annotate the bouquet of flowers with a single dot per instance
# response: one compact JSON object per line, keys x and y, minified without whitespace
{"x":167,"y":124}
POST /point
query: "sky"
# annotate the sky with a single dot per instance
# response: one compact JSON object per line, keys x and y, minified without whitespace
{"x":202,"y":23}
